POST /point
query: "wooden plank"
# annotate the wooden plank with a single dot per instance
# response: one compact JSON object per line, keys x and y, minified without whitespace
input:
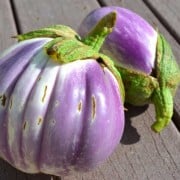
{"x":32,"y":16}
{"x":7,"y":26}
{"x":8,"y":29}
{"x":169,"y":13}
{"x":45,"y":13}
{"x":140,"y":8}
{"x":142,"y":154}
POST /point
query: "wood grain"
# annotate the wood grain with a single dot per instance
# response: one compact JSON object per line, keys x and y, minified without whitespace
{"x":7,"y":26}
{"x":8,"y":29}
{"x":142,"y":154}
{"x":140,"y":8}
{"x":33,"y":15}
{"x":45,"y":13}
{"x":169,"y":13}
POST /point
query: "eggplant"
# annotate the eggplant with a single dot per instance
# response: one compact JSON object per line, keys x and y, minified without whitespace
{"x":61,"y":102}
{"x":144,"y":59}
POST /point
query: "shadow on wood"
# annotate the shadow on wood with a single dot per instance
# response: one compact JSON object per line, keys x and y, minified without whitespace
{"x":131,"y":135}
{"x":7,"y":172}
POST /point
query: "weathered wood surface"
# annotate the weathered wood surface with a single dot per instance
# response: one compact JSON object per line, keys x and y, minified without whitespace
{"x":140,"y":8}
{"x":8,"y":29}
{"x":141,"y":154}
{"x":169,"y":13}
{"x":44,"y":13}
{"x":7,"y":25}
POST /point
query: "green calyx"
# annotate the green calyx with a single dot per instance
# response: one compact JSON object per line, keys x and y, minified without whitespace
{"x":103,"y":28}
{"x":167,"y":69}
{"x":54,"y":31}
{"x":168,"y":76}
{"x":65,"y":50}
{"x":158,"y":88}
{"x":138,"y":86}
{"x":66,"y":46}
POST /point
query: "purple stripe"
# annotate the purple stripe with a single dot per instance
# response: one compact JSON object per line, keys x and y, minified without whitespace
{"x":29,"y":139}
{"x":42,"y":135}
{"x":18,"y":48}
{"x":20,"y":157}
{"x":9,"y":73}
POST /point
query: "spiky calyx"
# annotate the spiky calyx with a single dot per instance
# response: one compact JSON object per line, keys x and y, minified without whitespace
{"x":158,"y":88}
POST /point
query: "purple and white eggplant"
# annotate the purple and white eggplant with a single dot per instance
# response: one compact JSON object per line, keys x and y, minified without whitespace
{"x":144,"y":59}
{"x":61,"y":102}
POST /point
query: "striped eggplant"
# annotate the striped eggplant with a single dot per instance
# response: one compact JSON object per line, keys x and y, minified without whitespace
{"x":144,"y":59}
{"x":61,"y":101}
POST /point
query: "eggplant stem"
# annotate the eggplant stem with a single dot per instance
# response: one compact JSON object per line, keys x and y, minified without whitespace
{"x":96,"y":37}
{"x":163,"y":101}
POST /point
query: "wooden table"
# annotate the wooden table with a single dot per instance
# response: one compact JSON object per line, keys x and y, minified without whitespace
{"x":142,"y":154}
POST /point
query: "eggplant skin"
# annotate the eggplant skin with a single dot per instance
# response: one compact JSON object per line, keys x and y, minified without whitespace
{"x":56,"y":118}
{"x":132,"y":43}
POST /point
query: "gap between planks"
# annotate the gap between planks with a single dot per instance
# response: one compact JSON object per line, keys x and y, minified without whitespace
{"x":163,"y":21}
{"x":16,"y":20}
{"x":101,"y":3}
{"x":176,"y":115}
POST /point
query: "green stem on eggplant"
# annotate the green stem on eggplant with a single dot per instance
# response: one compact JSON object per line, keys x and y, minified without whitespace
{"x":163,"y":101}
{"x":102,"y":29}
